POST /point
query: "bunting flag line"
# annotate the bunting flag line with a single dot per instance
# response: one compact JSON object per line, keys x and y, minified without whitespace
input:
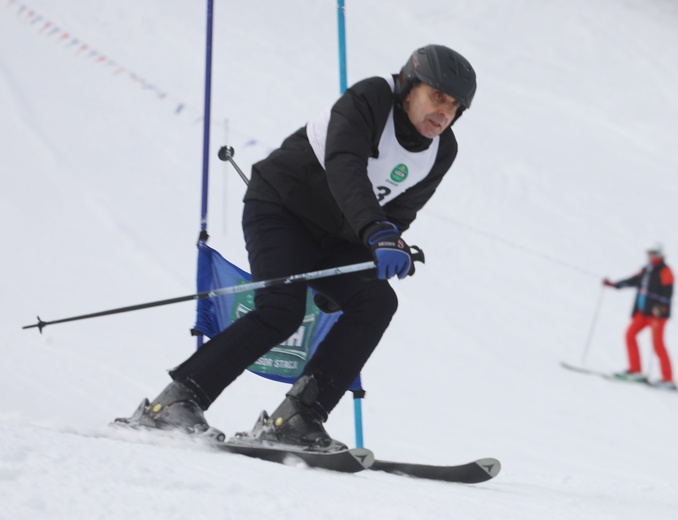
{"x":79,"y":48}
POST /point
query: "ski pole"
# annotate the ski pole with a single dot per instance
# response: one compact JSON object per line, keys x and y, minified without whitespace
{"x":284,"y":280}
{"x":593,"y":325}
{"x":226,"y":153}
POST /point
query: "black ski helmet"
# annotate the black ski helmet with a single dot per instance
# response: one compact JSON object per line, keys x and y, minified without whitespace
{"x":443,"y":69}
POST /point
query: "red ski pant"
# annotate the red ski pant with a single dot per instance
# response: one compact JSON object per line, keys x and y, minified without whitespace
{"x":638,"y":323}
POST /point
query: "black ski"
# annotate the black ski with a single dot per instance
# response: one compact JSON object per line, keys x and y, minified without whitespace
{"x":480,"y":470}
{"x":344,"y":461}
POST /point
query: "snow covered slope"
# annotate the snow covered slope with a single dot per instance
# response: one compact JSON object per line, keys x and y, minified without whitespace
{"x":566,"y":172}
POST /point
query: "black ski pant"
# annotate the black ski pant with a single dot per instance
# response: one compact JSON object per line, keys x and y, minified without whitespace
{"x":278,"y":244}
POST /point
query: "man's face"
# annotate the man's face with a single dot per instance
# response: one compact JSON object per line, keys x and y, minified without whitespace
{"x":430,"y":111}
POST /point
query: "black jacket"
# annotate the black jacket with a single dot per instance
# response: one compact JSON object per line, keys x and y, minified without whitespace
{"x":658,"y":290}
{"x":338,"y":202}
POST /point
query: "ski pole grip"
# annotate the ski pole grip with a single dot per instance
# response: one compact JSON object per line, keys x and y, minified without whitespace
{"x":417,"y":255}
{"x":226,"y":153}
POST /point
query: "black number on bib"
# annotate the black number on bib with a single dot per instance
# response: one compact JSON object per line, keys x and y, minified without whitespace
{"x":384,"y":192}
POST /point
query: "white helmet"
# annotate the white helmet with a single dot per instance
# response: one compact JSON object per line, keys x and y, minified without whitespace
{"x":656,"y":249}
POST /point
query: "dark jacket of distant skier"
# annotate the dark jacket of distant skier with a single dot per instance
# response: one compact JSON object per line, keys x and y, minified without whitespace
{"x":655,"y":289}
{"x":329,"y":189}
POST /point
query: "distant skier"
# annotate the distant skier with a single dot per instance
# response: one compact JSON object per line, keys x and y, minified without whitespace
{"x":338,"y":191}
{"x":652,"y":308}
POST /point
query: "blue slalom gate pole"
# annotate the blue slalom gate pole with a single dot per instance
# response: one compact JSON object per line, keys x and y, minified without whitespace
{"x":341,"y":23}
{"x":206,"y":134}
{"x":206,"y":122}
{"x":357,"y":408}
{"x":341,"y":29}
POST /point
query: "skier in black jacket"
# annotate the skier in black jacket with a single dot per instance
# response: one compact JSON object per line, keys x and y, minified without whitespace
{"x":651,"y":308}
{"x":338,"y":191}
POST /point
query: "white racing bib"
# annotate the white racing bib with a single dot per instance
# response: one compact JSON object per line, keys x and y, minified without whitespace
{"x":395,"y":170}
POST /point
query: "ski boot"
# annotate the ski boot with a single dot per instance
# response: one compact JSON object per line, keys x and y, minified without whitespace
{"x":297,"y":422}
{"x":177,"y":409}
{"x":665,"y":385}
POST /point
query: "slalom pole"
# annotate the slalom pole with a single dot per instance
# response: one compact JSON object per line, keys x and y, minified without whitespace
{"x":251,"y":286}
{"x":341,"y":29}
{"x":593,"y":325}
{"x":206,"y":121}
{"x":358,"y":419}
{"x":207,"y":118}
{"x":343,"y":85}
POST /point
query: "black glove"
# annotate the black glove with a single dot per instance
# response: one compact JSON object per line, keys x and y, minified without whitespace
{"x":391,"y":254}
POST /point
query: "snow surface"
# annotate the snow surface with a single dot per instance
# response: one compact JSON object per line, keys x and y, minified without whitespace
{"x":566,"y":173}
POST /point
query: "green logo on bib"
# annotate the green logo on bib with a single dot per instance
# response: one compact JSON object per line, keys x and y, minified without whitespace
{"x":399,"y":173}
